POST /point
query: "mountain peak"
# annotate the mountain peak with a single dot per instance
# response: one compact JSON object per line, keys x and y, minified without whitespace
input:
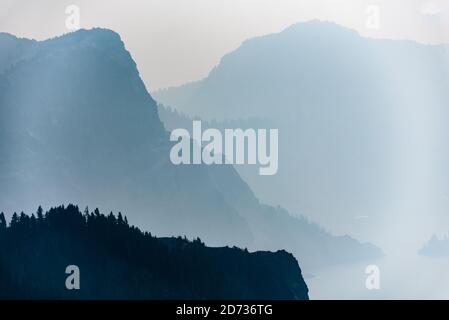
{"x":102,"y":35}
{"x":85,"y":43}
{"x":318,"y":25}
{"x":105,"y":40}
{"x":97,"y":34}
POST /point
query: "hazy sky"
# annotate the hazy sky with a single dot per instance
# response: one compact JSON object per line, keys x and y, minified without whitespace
{"x":176,"y":41}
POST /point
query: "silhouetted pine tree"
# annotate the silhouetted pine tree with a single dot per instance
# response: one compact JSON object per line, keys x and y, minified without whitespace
{"x":2,"y":222}
{"x":14,"y":220}
{"x":39,"y":213}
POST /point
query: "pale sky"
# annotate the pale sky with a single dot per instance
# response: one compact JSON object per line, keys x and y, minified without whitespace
{"x":177,"y":41}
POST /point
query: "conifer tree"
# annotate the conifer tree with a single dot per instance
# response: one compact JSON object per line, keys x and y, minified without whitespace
{"x":2,"y":222}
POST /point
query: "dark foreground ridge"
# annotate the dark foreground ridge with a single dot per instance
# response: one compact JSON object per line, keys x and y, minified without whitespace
{"x":118,"y":261}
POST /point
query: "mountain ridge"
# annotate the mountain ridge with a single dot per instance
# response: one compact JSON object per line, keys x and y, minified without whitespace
{"x":346,"y":108}
{"x":79,"y":126}
{"x":291,"y":29}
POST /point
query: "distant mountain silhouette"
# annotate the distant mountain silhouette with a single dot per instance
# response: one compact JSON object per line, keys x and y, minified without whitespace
{"x":436,"y":247}
{"x":274,"y":226}
{"x":342,"y":104}
{"x":118,"y":261}
{"x":77,"y":125}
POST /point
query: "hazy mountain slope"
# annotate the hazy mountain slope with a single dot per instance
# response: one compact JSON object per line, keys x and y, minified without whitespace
{"x":117,"y":261}
{"x":358,"y":121}
{"x":274,"y":227}
{"x":308,"y":65}
{"x":13,"y":50}
{"x":79,"y":126}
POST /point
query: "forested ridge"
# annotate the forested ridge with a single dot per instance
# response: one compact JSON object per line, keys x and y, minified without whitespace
{"x":119,"y":261}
